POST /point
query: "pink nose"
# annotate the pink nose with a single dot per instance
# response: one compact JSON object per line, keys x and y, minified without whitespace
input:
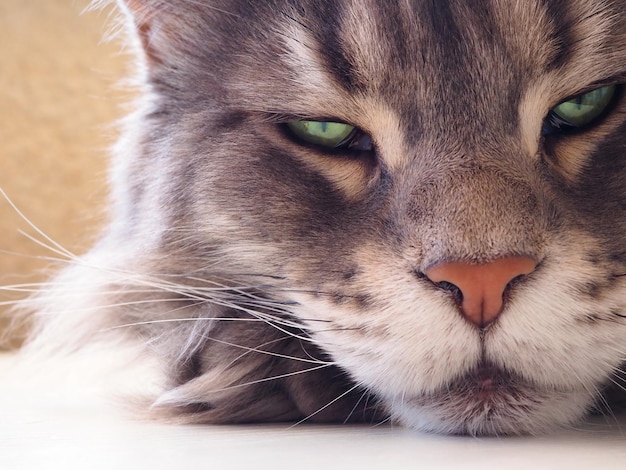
{"x":482,"y":285}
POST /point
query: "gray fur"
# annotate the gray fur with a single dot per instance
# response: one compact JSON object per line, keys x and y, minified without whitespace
{"x":286,"y":258}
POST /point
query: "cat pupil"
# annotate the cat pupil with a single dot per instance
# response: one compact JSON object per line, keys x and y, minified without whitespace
{"x":579,"y":102}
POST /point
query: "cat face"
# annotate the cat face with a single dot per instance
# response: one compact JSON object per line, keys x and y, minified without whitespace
{"x":304,"y":252}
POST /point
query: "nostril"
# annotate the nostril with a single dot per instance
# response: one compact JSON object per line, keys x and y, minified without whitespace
{"x":515,"y":281}
{"x":452,"y":289}
{"x":480,"y":289}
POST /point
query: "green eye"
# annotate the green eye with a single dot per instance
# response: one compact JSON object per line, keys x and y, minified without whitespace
{"x":325,"y":133}
{"x":582,"y":109}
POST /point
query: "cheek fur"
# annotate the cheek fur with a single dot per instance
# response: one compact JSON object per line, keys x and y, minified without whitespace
{"x":272,"y":280}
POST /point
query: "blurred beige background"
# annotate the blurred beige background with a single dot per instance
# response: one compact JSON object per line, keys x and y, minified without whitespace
{"x":59,"y":99}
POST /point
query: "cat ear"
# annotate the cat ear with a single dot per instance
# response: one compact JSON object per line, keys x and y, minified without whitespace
{"x":148,"y":19}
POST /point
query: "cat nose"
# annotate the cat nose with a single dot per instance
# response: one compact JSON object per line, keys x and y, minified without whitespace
{"x":482,"y":286}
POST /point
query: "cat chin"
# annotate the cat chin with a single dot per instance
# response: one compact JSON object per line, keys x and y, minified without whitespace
{"x":475,"y":405}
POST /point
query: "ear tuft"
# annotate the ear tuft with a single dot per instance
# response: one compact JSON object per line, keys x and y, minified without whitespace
{"x":145,"y":16}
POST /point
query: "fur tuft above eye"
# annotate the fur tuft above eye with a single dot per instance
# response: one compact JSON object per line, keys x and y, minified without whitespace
{"x":580,"y":111}
{"x":332,"y":135}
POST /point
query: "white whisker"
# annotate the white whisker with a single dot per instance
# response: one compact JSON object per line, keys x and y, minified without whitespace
{"x":319,"y":410}
{"x":161,"y":401}
{"x":257,"y":349}
{"x":58,"y":248}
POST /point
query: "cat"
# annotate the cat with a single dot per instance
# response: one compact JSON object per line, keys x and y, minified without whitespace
{"x":367,"y":211}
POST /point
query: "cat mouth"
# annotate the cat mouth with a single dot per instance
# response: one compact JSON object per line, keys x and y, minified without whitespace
{"x":487,"y":380}
{"x":487,"y":400}
{"x":486,"y":383}
{"x":483,"y":385}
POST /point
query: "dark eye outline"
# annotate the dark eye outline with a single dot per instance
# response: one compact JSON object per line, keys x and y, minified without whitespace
{"x":357,"y":141}
{"x":555,"y":124}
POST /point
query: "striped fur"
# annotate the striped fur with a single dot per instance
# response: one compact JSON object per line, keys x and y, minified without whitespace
{"x":275,"y":281}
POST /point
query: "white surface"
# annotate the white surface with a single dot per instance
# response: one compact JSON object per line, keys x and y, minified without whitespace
{"x":77,"y":429}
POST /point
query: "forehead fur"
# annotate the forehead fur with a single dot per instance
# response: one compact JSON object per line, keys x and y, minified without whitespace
{"x":352,"y":39}
{"x":424,"y":48}
{"x":484,"y":74}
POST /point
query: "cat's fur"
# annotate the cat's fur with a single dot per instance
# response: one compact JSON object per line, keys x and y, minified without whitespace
{"x":278,"y":281}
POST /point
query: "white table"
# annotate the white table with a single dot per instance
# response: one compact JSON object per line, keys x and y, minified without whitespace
{"x":47,"y":428}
